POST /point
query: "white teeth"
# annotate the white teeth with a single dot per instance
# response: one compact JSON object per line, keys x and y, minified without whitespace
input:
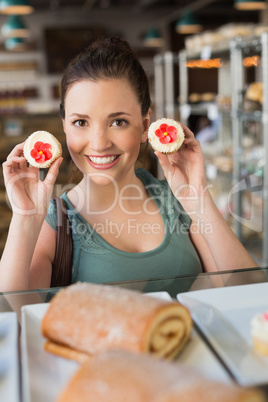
{"x":102,"y":160}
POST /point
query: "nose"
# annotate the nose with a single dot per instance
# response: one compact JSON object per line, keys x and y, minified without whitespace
{"x":100,"y":140}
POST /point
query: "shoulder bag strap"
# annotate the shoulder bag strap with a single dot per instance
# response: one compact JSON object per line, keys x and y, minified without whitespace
{"x":63,"y":261}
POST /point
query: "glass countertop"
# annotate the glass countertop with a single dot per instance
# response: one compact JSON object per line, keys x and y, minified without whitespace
{"x":13,"y":301}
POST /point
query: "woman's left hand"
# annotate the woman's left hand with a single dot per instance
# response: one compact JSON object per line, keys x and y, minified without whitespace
{"x":185,"y":172}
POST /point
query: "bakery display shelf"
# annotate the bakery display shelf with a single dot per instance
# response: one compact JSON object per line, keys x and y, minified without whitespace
{"x":224,"y":173}
{"x":250,"y":170}
{"x":250,"y":44}
{"x":225,"y":110}
{"x":216,"y":50}
{"x":243,"y":126}
{"x":217,"y":149}
{"x":254,"y":115}
{"x":26,"y":74}
{"x":201,"y":108}
{"x":27,"y":115}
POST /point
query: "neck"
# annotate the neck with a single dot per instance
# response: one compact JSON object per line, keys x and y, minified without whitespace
{"x":100,"y":197}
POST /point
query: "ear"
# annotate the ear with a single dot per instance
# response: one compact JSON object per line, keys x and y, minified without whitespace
{"x":146,"y":124}
{"x":63,"y":124}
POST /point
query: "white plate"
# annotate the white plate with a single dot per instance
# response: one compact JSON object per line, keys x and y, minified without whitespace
{"x":9,"y":363}
{"x":45,"y":375}
{"x":223,"y":315}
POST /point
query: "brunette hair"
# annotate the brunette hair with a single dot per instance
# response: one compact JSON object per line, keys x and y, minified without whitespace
{"x":110,"y":58}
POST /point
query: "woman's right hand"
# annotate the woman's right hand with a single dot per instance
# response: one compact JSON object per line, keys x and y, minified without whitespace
{"x":27,"y":194}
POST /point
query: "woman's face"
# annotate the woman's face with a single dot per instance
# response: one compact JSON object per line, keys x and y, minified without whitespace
{"x":104,"y":128}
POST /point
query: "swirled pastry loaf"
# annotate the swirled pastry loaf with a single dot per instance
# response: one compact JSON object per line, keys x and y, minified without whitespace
{"x":120,"y":376}
{"x":85,"y":319}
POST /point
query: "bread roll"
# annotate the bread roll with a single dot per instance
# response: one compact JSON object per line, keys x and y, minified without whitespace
{"x":122,"y":376}
{"x":84,"y":319}
{"x":254,"y":92}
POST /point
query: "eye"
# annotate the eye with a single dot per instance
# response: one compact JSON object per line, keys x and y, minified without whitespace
{"x":120,"y":123}
{"x":80,"y":123}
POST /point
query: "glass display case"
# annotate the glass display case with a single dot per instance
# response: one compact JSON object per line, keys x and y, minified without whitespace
{"x":234,"y":134}
{"x":250,"y":143}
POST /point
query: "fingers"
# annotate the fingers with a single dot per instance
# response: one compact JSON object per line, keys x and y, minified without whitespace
{"x":53,"y":172}
{"x":15,"y":160}
{"x":14,"y":164}
{"x":187,"y":132}
{"x":164,"y":162}
{"x":16,"y":151}
{"x":190,"y":141}
{"x":162,"y":158}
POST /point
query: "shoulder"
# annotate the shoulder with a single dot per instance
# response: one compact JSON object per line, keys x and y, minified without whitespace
{"x":164,"y":198}
{"x":148,"y":179}
{"x":51,"y":217}
{"x":158,"y":189}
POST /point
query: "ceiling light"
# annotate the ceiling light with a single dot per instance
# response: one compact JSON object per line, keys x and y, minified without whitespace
{"x":188,"y":24}
{"x":250,"y":4}
{"x":15,"y":7}
{"x":153,"y":38}
{"x":14,"y":27}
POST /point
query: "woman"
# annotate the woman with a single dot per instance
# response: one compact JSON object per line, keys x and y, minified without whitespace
{"x":126,"y":225}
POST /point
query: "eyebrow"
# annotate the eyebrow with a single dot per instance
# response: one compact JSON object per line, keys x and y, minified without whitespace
{"x":82,"y":116}
{"x":118,"y":114}
{"x":85,"y":116}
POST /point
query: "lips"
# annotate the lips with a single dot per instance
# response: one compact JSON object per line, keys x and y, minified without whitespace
{"x":103,"y":162}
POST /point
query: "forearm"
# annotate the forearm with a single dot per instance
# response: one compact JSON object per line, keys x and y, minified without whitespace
{"x":226,"y":250}
{"x":17,"y":255}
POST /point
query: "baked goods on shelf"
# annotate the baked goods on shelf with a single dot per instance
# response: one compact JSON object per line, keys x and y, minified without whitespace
{"x":223,"y":163}
{"x":208,"y":97}
{"x":253,"y":97}
{"x":231,"y":30}
{"x":224,"y":101}
{"x":217,"y":39}
{"x":260,"y":28}
{"x":41,"y":149}
{"x":194,"y":97}
{"x":120,"y":376}
{"x":254,"y":92}
{"x":166,"y":135}
{"x":259,"y":332}
{"x":84,"y":319}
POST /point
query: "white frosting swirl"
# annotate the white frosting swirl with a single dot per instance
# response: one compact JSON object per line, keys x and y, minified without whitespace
{"x":259,"y":326}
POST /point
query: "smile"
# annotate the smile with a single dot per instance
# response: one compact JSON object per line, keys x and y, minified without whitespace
{"x":103,"y":160}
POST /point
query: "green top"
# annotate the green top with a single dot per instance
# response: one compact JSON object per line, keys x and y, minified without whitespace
{"x":96,"y":261}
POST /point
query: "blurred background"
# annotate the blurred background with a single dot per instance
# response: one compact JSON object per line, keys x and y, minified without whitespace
{"x":207,"y":62}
